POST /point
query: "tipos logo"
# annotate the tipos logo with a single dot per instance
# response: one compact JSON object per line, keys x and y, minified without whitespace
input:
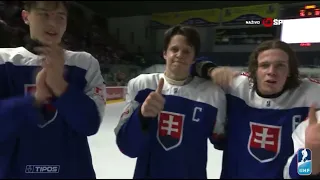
{"x":42,"y":169}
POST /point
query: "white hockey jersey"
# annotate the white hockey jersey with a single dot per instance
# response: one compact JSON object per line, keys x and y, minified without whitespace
{"x":175,"y":143}
{"x":259,"y":130}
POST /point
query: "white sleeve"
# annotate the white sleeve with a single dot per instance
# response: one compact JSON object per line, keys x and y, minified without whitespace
{"x":242,"y":79}
{"x":96,"y":88}
{"x":131,"y":105}
{"x":218,"y":132}
{"x":219,"y":127}
{"x":311,"y":89}
{"x":298,"y":137}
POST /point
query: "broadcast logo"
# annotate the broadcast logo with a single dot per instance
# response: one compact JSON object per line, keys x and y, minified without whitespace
{"x":266,"y":22}
{"x":269,"y":22}
{"x":304,"y":163}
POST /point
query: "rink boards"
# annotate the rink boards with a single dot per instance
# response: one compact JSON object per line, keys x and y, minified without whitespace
{"x":114,"y":101}
{"x":116,"y":94}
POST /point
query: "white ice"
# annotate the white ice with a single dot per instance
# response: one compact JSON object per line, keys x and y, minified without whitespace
{"x":110,"y":163}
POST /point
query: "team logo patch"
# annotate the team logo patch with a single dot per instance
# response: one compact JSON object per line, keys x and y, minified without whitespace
{"x":170,"y":129}
{"x":49,"y":112}
{"x":264,"y":142}
{"x":126,"y":113}
{"x":99,"y":92}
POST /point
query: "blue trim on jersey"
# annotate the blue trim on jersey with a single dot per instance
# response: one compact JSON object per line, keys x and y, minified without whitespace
{"x":131,"y":139}
{"x":78,"y":110}
{"x":14,"y":113}
{"x":62,"y":142}
{"x":293,"y":169}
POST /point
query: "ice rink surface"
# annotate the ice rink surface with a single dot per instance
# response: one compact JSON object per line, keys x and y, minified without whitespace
{"x":110,"y":163}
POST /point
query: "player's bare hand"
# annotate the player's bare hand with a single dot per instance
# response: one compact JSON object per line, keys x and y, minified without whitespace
{"x":312,"y":139}
{"x":154,"y":103}
{"x":54,"y":65}
{"x":223,"y":76}
{"x":42,"y":93}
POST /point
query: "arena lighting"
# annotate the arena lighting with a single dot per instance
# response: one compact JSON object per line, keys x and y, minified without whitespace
{"x":310,"y":7}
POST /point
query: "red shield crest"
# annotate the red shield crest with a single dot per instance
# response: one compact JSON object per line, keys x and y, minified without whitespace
{"x":264,"y":141}
{"x":170,"y":129}
{"x":48,"y":111}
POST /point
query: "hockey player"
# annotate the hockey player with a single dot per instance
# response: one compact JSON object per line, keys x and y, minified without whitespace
{"x":306,"y":135}
{"x":170,"y":116}
{"x":264,"y":107}
{"x":47,"y":113}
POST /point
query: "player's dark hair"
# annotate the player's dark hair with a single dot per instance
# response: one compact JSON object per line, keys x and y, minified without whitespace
{"x":293,"y":80}
{"x":30,"y":5}
{"x":191,"y":34}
